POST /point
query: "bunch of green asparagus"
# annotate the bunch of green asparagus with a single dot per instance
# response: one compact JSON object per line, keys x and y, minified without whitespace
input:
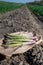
{"x":16,"y":40}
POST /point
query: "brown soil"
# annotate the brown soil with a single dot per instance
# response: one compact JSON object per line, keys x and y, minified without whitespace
{"x":40,"y":18}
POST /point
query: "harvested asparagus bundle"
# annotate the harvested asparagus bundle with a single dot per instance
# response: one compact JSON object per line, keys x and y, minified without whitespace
{"x":18,"y":39}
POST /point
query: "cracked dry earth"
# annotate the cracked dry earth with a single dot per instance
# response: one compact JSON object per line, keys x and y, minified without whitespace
{"x":22,"y":20}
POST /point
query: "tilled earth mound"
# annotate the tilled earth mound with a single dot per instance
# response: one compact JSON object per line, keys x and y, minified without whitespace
{"x":35,"y":55}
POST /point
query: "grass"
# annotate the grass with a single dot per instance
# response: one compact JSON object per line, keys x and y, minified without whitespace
{"x":7,"y":6}
{"x":37,"y":9}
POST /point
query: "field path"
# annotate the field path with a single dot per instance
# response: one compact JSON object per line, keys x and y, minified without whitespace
{"x":20,"y":20}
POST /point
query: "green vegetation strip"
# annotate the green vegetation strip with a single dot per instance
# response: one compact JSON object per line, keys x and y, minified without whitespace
{"x":6,"y":6}
{"x":37,"y":9}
